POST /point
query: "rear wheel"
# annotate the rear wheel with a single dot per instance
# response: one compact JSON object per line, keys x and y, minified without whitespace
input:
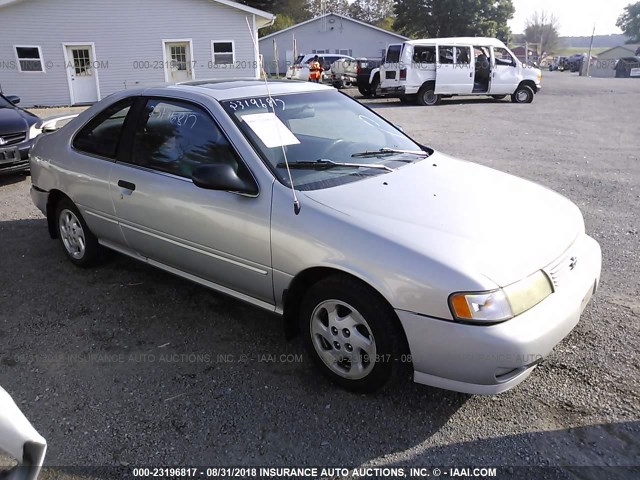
{"x":80,"y":245}
{"x":352,"y":335}
{"x":523,"y":94}
{"x":364,"y":91}
{"x":427,"y":96}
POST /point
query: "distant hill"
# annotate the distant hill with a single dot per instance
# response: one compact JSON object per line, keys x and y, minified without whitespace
{"x":599,"y":41}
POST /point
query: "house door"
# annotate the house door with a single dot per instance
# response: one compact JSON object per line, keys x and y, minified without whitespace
{"x":81,"y":74}
{"x":178,"y":65}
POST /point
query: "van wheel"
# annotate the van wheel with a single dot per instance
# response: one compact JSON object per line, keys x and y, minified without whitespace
{"x":498,"y":97}
{"x":427,"y":96}
{"x":352,"y":336}
{"x":523,"y":94}
{"x":80,"y":245}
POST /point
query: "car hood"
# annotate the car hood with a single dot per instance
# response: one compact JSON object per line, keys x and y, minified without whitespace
{"x":13,"y":121}
{"x":470,"y":217}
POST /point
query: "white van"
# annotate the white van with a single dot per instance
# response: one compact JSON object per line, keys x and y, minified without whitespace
{"x":429,"y":69}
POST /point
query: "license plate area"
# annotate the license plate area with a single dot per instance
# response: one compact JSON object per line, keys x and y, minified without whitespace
{"x":9,"y":155}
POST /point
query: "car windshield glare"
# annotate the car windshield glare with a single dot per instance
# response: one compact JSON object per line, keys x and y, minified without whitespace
{"x":320,"y":125}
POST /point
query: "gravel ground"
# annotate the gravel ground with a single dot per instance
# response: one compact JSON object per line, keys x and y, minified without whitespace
{"x":125,"y":365}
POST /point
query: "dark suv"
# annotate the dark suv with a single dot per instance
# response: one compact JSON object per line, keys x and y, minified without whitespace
{"x":18,"y":129}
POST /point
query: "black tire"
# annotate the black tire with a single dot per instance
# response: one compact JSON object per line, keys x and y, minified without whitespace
{"x":498,"y":97}
{"x":387,"y":362}
{"x":68,"y":219}
{"x":406,"y":100}
{"x":364,"y":91}
{"x":427,"y":97}
{"x":523,"y":94}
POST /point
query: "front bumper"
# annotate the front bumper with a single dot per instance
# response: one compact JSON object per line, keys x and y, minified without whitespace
{"x":20,"y":163}
{"x":488,"y":360}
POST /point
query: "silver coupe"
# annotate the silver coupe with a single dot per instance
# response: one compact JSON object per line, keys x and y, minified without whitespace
{"x":385,"y":256}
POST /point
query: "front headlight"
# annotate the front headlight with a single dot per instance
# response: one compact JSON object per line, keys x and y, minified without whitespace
{"x":502,"y":304}
{"x":35,"y":130}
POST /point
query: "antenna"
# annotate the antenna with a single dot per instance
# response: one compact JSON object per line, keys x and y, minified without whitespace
{"x":296,"y":202}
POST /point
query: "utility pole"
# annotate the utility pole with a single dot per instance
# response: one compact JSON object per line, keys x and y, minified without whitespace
{"x":590,"y":48}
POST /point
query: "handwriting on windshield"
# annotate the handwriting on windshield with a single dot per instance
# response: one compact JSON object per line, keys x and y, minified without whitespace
{"x":181,"y":119}
{"x":252,"y":103}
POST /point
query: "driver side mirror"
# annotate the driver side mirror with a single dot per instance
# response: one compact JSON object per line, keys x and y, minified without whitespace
{"x":221,"y":176}
{"x":20,"y":440}
{"x":13,"y":99}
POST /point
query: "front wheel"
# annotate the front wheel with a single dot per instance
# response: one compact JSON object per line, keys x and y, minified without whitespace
{"x":523,"y":94}
{"x":364,"y":91}
{"x":352,"y":335}
{"x":427,"y":96}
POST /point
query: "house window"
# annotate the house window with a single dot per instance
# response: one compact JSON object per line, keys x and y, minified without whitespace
{"x":223,"y":53}
{"x":29,"y":59}
{"x":343,"y":52}
{"x":326,"y":50}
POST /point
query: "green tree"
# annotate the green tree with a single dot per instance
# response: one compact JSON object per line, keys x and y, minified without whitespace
{"x":281,"y":22}
{"x":318,"y":7}
{"x":371,"y":11}
{"x":453,"y":18}
{"x":542,"y":28}
{"x":629,"y":22}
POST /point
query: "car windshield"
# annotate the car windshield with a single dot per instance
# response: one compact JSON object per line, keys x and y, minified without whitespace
{"x":321,"y":129}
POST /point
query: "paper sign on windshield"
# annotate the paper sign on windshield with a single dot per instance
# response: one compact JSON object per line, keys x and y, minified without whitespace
{"x":269,"y":129}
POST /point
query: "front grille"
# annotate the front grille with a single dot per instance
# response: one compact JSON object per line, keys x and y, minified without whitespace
{"x":560,"y":270}
{"x":12,"y":138}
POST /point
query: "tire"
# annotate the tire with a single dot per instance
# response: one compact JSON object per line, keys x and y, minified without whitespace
{"x":523,"y":94}
{"x":365,"y":92}
{"x":359,"y":345}
{"x":79,"y":244}
{"x":406,"y":100}
{"x":427,"y":97}
{"x":498,"y":97}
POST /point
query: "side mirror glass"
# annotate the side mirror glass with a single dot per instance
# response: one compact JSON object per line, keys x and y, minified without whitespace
{"x":221,"y":176}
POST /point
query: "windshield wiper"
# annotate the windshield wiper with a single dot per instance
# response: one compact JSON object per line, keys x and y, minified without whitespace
{"x":388,"y":151}
{"x":324,"y":164}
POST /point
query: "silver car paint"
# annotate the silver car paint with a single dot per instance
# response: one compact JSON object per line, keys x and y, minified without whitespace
{"x":415,"y":235}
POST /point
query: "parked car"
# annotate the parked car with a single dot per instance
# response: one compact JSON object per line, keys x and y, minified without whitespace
{"x":305,"y":203}
{"x":559,"y":63}
{"x":628,"y":67}
{"x":343,"y":72}
{"x":19,"y":439}
{"x":300,"y":69}
{"x":18,"y":129}
{"x":428,"y":69}
{"x":575,"y":62}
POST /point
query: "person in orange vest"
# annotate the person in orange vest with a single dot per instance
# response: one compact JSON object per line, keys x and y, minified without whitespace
{"x":315,"y":70}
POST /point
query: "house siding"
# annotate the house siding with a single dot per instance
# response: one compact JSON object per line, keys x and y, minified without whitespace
{"x":604,"y":67}
{"x":123,"y":33}
{"x":321,"y":33}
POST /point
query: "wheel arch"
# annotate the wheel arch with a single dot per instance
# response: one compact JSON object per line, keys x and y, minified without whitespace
{"x":529,"y":83}
{"x":52,"y":202}
{"x":293,"y":295}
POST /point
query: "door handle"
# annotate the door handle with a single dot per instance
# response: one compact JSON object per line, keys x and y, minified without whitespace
{"x":470,"y":74}
{"x":127,"y":185}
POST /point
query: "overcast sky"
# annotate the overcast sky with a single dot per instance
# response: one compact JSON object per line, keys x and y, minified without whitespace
{"x":576,"y":16}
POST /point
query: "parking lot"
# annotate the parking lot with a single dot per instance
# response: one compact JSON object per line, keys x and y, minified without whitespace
{"x":126,"y":365}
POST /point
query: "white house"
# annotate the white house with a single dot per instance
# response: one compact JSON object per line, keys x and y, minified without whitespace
{"x":68,"y":52}
{"x":329,"y":33}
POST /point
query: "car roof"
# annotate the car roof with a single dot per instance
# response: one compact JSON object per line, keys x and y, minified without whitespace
{"x":239,"y":88}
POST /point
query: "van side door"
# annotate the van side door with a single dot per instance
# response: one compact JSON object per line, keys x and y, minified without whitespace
{"x":454,"y":70}
{"x":505,"y":72}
